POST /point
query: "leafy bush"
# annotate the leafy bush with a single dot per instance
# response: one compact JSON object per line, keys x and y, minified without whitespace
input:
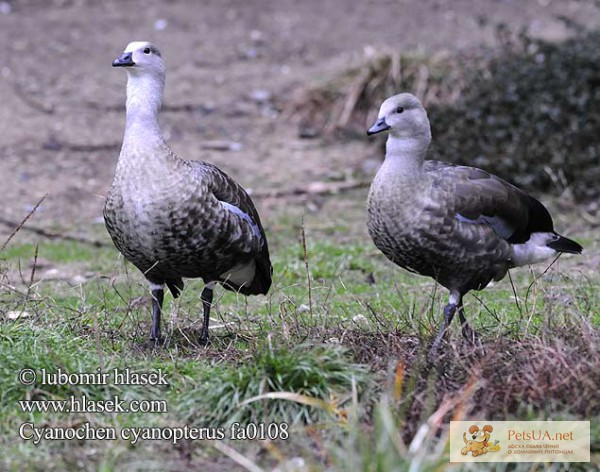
{"x":532,"y":116}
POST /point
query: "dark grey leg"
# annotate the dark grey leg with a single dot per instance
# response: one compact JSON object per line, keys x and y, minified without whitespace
{"x":207,"y":298}
{"x":157,"y":302}
{"x":449,"y":312}
{"x":468,"y":333}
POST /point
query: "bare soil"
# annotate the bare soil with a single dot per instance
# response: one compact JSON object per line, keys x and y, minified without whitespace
{"x":232,"y":64}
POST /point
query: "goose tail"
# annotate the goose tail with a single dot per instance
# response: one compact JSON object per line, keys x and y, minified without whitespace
{"x":261,"y":283}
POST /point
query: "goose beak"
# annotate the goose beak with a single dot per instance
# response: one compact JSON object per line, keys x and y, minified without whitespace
{"x":378,"y":127}
{"x":124,"y":60}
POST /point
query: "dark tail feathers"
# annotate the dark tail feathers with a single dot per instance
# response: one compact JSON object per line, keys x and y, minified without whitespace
{"x":562,"y":244}
{"x":261,"y":283}
{"x":262,"y":278}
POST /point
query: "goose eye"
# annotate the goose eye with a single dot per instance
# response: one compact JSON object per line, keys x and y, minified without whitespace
{"x":399,"y":110}
{"x":147,"y":51}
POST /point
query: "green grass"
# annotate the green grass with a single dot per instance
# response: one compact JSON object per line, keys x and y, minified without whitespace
{"x":335,"y":355}
{"x":309,"y":372}
{"x":62,"y":252}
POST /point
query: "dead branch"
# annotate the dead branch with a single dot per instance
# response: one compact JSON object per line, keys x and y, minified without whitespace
{"x":31,"y":101}
{"x":56,"y":145}
{"x":19,"y":225}
{"x":314,"y":188}
{"x":44,"y":233}
{"x":172,"y":108}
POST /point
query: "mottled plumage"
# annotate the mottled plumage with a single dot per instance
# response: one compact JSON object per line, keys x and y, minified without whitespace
{"x":174,"y":218}
{"x":459,"y":225}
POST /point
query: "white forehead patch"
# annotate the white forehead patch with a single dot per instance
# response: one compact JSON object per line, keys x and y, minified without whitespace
{"x":135,"y":45}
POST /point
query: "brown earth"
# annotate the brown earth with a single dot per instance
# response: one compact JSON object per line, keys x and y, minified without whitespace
{"x":231,"y":64}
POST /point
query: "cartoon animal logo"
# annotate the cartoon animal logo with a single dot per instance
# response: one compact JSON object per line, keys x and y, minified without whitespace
{"x":478,"y":441}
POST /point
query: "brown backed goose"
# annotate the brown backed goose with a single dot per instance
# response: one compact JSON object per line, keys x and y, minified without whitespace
{"x":174,"y":218}
{"x":459,"y":225}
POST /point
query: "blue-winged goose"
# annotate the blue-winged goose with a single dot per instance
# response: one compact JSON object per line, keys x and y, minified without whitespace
{"x":174,"y":218}
{"x":460,"y":225}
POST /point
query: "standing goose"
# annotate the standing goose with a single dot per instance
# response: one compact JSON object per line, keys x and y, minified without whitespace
{"x":459,"y":225}
{"x":174,"y":218}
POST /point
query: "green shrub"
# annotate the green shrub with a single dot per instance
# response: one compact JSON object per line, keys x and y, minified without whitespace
{"x":533,"y":117}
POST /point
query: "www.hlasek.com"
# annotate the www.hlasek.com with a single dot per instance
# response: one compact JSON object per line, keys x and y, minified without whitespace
{"x":29,"y":431}
{"x":82,"y":404}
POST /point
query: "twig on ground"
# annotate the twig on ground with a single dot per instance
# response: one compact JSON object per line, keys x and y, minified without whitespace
{"x":514,"y":289}
{"x":19,"y":226}
{"x":56,"y":145}
{"x":176,"y":108}
{"x":305,"y":250}
{"x":314,"y":188}
{"x":29,"y":100}
{"x":235,"y":456}
{"x":45,"y":233}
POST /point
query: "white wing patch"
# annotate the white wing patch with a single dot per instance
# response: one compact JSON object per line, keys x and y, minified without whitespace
{"x":500,"y":226}
{"x":240,"y":274}
{"x":244,"y":216}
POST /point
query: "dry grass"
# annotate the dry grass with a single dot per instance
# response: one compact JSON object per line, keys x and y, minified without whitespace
{"x":555,"y":374}
{"x":347,"y":101}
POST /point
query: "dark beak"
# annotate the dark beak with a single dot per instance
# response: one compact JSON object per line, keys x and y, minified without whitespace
{"x":124,"y":60}
{"x":378,"y":127}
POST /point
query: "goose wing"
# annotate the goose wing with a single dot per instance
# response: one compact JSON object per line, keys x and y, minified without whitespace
{"x":240,"y":214}
{"x":478,"y":197}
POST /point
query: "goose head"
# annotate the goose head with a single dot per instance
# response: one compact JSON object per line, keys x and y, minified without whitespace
{"x":404,"y":117}
{"x":141,"y":57}
{"x":145,"y":69}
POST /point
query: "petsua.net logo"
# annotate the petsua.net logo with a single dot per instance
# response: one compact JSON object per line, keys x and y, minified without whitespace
{"x":519,"y":441}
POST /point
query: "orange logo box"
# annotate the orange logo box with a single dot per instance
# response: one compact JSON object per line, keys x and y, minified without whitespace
{"x":519,"y":441}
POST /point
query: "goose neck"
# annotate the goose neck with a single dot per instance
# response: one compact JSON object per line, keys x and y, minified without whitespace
{"x":405,"y":156}
{"x":144,"y":97}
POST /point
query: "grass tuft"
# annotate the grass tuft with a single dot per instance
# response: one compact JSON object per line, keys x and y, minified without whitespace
{"x":321,"y":373}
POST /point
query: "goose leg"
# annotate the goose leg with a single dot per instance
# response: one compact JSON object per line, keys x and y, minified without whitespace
{"x":449,"y":312}
{"x":157,"y":302}
{"x":468,"y":333}
{"x":207,"y":298}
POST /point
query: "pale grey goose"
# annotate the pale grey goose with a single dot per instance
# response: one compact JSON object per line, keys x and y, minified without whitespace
{"x":459,"y":225}
{"x":174,"y":218}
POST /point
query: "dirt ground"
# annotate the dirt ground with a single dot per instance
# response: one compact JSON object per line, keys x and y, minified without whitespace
{"x":229,"y":62}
